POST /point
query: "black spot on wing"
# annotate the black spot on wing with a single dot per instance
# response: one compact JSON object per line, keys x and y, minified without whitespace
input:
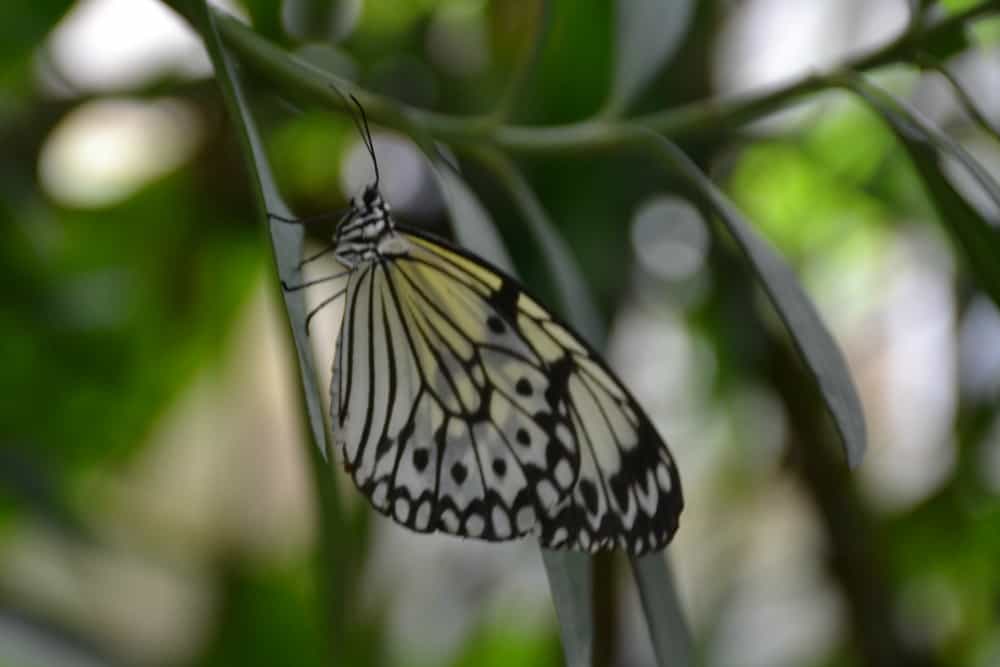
{"x":421,"y":457}
{"x":384,"y":445}
{"x":589,"y":493}
{"x":504,"y":300}
{"x":559,"y":373}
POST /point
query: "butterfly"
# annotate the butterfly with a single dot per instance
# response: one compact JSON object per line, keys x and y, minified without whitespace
{"x":461,"y":405}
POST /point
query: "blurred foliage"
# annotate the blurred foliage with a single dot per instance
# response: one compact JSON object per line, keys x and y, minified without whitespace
{"x":115,"y":312}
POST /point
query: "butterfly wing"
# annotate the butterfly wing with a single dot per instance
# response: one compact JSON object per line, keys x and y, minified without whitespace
{"x":472,"y":410}
{"x":438,"y":407}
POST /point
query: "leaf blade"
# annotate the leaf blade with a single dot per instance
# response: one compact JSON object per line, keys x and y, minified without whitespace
{"x":668,"y":629}
{"x":571,"y":287}
{"x":647,"y":34}
{"x":810,"y":336}
{"x":975,"y":237}
{"x":287,"y":242}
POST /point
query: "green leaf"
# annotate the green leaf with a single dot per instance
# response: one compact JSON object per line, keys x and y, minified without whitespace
{"x":266,"y":17}
{"x":320,"y":20}
{"x":263,"y":619}
{"x":23,"y":28}
{"x":28,"y":638}
{"x":968,"y":104}
{"x":287,"y":240}
{"x":520,"y":31}
{"x":571,"y":578}
{"x":577,"y":305}
{"x":976,"y":238}
{"x":808,"y":333}
{"x":474,"y":228}
{"x":25,"y":480}
{"x":494,"y":644}
{"x":668,"y":630}
{"x":648,"y":33}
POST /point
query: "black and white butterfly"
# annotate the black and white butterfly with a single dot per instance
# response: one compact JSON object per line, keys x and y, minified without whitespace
{"x":461,"y":405}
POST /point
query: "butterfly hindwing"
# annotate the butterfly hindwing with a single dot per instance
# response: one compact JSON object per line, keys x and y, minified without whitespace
{"x":626,"y":489}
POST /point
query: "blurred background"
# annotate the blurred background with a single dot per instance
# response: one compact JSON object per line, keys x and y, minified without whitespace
{"x":156,"y":505}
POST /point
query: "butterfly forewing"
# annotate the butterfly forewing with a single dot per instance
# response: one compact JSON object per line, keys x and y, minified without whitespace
{"x":432,"y":406}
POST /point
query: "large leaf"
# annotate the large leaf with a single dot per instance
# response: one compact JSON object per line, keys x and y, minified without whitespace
{"x":648,"y":33}
{"x":978,"y":240}
{"x":808,"y":333}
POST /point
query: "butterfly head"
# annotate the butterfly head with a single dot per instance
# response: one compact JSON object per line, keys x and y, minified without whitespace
{"x":367,"y":223}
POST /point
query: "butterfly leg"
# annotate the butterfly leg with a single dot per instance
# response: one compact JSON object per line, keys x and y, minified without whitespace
{"x":325,"y":302}
{"x":309,"y":283}
{"x":317,"y":255}
{"x":325,"y":217}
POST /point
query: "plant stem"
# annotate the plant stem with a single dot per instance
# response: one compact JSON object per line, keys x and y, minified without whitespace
{"x":297,"y":77}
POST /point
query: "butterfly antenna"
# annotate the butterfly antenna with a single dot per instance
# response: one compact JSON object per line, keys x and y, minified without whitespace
{"x":362,"y":125}
{"x":367,"y":135}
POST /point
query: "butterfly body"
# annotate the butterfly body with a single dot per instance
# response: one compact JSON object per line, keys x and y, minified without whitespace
{"x":459,"y":404}
{"x":367,"y":232}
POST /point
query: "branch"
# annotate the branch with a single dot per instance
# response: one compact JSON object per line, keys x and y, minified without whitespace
{"x":299,"y":78}
{"x":709,"y":115}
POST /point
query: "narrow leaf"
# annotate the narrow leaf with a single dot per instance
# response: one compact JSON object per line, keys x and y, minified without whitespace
{"x":266,"y":17}
{"x":571,"y":579}
{"x":668,"y":630}
{"x":287,"y":242}
{"x":976,"y":238}
{"x":286,"y":239}
{"x":648,"y":33}
{"x":530,"y":30}
{"x":323,"y":21}
{"x":577,"y":305}
{"x":474,"y":228}
{"x":968,"y":104}
{"x":808,"y":333}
